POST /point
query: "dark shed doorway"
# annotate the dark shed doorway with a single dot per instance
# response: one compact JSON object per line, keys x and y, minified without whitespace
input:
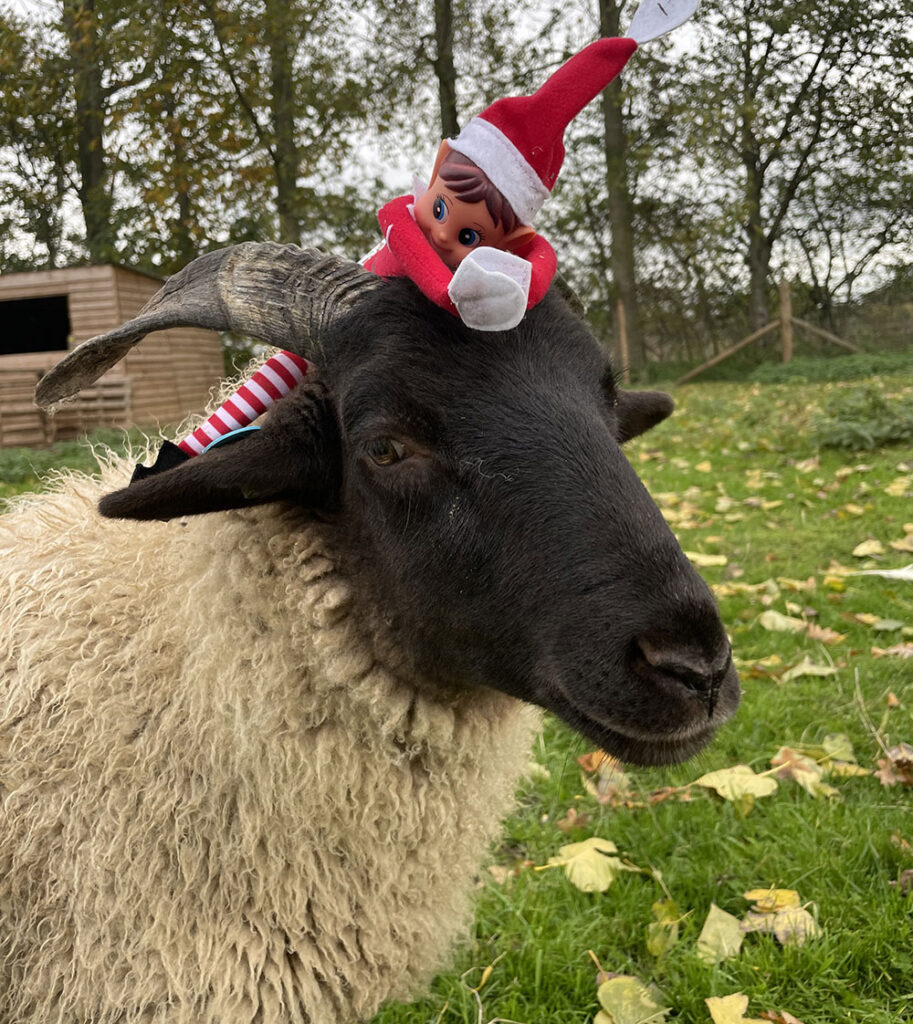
{"x":34,"y":325}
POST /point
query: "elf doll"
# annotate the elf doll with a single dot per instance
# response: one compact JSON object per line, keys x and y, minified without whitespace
{"x":467,"y":240}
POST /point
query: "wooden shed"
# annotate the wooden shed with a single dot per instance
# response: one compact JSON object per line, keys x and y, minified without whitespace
{"x":46,"y":312}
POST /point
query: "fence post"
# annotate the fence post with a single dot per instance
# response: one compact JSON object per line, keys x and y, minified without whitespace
{"x":786,"y":320}
{"x":623,"y":343}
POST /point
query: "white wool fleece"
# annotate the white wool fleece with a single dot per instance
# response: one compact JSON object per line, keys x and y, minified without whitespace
{"x":215,"y":803}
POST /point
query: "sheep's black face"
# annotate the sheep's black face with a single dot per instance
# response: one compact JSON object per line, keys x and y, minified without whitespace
{"x":486,"y":507}
{"x":491,"y":511}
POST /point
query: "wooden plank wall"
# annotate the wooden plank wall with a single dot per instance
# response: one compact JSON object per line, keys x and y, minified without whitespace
{"x":166,"y":377}
{"x":20,"y":422}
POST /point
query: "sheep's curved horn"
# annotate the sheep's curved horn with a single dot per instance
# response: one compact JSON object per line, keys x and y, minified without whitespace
{"x":279,"y":294}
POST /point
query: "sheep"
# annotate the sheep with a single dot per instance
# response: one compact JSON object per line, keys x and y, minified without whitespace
{"x":250,"y":761}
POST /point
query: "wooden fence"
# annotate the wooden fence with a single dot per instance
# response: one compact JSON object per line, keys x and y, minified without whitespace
{"x":785,"y":322}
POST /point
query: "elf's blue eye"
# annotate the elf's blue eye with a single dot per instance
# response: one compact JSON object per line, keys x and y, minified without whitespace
{"x":469,"y":237}
{"x":439,"y":210}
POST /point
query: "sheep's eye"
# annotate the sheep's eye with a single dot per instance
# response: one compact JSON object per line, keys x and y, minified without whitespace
{"x":384,"y":451}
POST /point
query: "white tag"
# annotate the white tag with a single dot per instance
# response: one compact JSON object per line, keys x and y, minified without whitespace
{"x":655,"y":18}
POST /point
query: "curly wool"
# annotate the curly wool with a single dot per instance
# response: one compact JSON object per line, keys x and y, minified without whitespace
{"x":215,"y":803}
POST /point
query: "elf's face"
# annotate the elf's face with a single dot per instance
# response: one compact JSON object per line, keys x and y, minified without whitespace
{"x":453,"y":227}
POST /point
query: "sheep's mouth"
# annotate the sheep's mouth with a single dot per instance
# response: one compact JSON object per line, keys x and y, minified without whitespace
{"x":644,"y":749}
{"x":686,"y":731}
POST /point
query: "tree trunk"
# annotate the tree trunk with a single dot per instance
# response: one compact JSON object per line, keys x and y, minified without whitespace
{"x":620,"y":216}
{"x":444,"y":67}
{"x":81,"y":26}
{"x":759,"y":248}
{"x":278,"y":30}
{"x":182,"y":244}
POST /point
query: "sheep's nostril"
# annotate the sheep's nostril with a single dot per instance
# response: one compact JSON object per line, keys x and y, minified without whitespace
{"x":689,"y":666}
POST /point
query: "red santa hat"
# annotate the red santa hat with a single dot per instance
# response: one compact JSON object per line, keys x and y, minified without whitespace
{"x":519,"y":141}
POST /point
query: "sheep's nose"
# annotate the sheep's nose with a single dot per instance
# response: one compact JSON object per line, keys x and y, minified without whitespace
{"x":689,"y":666}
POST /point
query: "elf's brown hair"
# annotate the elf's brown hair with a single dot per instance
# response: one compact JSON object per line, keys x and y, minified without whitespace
{"x":468,"y":181}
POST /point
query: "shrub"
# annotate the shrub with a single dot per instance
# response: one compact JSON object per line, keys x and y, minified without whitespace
{"x":812,"y":369}
{"x":862,"y":418}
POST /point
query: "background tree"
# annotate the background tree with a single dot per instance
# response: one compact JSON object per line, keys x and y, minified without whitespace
{"x":36,"y":153}
{"x":775,"y":92}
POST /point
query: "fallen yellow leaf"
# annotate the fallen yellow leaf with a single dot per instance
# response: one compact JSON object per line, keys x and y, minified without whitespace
{"x":771,"y":901}
{"x":737,"y":782}
{"x":720,"y":938}
{"x":777,"y":622}
{"x":805,"y":668}
{"x":804,"y":770}
{"x":587,"y":864}
{"x":824,"y":634}
{"x":899,"y":486}
{"x":627,"y":1000}
{"x":777,"y":912}
{"x":868,"y":548}
{"x":798,"y":586}
{"x":730,"y":1009}
{"x":703,"y":561}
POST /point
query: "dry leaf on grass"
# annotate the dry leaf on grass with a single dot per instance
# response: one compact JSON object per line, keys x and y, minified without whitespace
{"x":824,"y":635}
{"x":627,"y":1000}
{"x":894,"y":651}
{"x":802,"y":769}
{"x":589,"y":864}
{"x":573,"y":819}
{"x":594,"y":760}
{"x":806,"y":668}
{"x":781,"y":1017}
{"x":896,"y":767}
{"x":662,"y":932}
{"x":905,"y":882}
{"x":738,"y":784}
{"x":777,"y":622}
{"x":797,"y":586}
{"x":877,"y":623}
{"x":899,"y":486}
{"x":605,"y":780}
{"x":702,"y":561}
{"x":730,"y":1009}
{"x":868,"y":548}
{"x":720,"y":938}
{"x":778,"y":912}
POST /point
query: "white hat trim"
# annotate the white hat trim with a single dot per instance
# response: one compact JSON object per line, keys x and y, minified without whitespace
{"x":505,"y":166}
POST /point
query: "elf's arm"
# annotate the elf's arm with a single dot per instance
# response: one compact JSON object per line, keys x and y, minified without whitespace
{"x":408,"y":254}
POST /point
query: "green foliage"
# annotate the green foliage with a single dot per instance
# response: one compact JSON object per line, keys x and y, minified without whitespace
{"x":862,"y":419}
{"x":810,"y":369}
{"x":23,"y":469}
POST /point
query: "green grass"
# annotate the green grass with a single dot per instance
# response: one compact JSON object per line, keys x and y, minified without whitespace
{"x":772,"y":513}
{"x":838,"y":853}
{"x":22,"y":469}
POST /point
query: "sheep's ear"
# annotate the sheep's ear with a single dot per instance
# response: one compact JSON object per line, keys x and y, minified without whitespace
{"x":294,"y":457}
{"x":638,"y":411}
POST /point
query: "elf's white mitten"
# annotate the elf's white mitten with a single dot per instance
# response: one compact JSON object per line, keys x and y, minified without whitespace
{"x":490,"y":289}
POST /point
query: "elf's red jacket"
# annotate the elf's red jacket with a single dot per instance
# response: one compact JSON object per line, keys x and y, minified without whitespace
{"x":481,"y":291}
